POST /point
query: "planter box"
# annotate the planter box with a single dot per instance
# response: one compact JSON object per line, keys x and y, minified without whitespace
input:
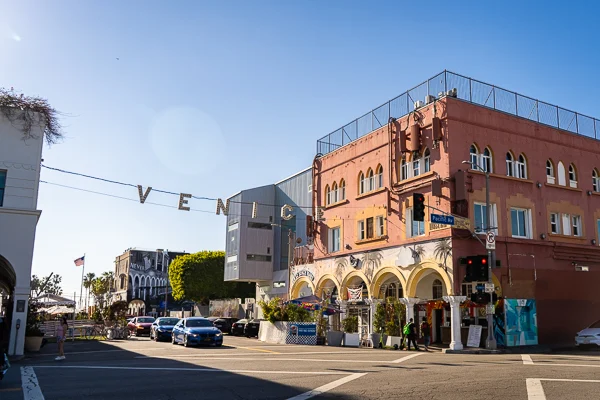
{"x":392,"y":340}
{"x":351,"y":339}
{"x":335,"y":338}
{"x":33,"y":343}
{"x":375,"y":337}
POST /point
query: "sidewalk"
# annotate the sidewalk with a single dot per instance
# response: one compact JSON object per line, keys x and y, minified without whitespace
{"x":539,"y":349}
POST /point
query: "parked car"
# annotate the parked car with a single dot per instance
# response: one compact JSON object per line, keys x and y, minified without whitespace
{"x":212,"y":319}
{"x":224,"y":324}
{"x":162,"y":328}
{"x":196,"y":330}
{"x":140,"y":325}
{"x":251,"y":328}
{"x":237,"y":328}
{"x":590,"y":336}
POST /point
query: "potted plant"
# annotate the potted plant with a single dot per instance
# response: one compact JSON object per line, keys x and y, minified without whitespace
{"x":351,"y":336}
{"x":33,"y":332}
{"x":379,"y":337}
{"x":395,"y":315}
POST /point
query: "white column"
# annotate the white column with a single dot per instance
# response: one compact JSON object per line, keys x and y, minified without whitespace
{"x":455,"y":336}
{"x":410,"y":302}
{"x":21,"y":298}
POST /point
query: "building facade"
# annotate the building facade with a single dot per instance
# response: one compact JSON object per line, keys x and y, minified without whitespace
{"x":439,"y":140}
{"x":260,"y":240}
{"x":141,"y":279}
{"x":20,"y":159}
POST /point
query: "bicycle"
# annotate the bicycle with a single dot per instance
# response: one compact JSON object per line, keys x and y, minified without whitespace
{"x":95,"y":331}
{"x":119,"y":332}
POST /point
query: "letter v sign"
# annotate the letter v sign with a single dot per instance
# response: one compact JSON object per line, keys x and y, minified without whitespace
{"x":145,"y":195}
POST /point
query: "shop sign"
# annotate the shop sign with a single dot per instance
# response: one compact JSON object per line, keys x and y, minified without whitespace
{"x":306,"y":273}
{"x":303,"y":330}
{"x":437,"y":227}
{"x":474,"y":337}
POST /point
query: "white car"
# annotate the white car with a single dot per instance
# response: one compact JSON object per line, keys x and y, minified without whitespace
{"x":589,"y":336}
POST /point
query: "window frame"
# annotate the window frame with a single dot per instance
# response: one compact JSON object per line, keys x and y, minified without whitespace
{"x":521,"y":167}
{"x":576,"y":227}
{"x":334,"y":191}
{"x":380,"y":226}
{"x":572,"y":176}
{"x":550,"y":178}
{"x":361,"y":229}
{"x":370,"y":181}
{"x":327,"y":195}
{"x":3,"y":178}
{"x":474,"y":155}
{"x":331,"y":242}
{"x":555,"y":226}
{"x":510,"y":164}
{"x":379,"y":177}
{"x":410,"y":225}
{"x":416,"y":166}
{"x":426,"y":160}
{"x":487,"y":160}
{"x":342,"y":189}
{"x":403,"y":169}
{"x":493,"y":219}
{"x":361,"y":183}
{"x":595,"y":180}
{"x":527,"y":223}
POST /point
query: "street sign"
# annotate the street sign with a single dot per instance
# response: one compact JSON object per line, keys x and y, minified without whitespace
{"x":462,"y":223}
{"x":489,"y":288}
{"x":442,"y":219}
{"x":490,"y":241}
{"x":490,"y":309}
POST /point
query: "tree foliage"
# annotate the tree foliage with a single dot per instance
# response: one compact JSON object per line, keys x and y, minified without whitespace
{"x":199,"y":277}
{"x":274,"y":310}
{"x":47,"y":284}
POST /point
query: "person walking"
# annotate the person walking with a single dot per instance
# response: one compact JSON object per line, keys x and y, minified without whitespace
{"x":426,"y":333}
{"x":61,"y":333}
{"x":412,"y":334}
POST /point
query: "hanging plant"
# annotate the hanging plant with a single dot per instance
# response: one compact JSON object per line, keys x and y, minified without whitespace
{"x":28,"y":112}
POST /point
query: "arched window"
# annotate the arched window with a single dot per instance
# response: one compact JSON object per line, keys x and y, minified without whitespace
{"x":334,"y":193}
{"x":361,"y":183}
{"x":560,"y":172}
{"x":437,"y":289}
{"x":474,"y":153}
{"x":379,"y":177}
{"x":122,"y":282}
{"x":510,"y":164}
{"x":521,"y":167}
{"x":595,"y":180}
{"x":403,"y":169}
{"x":342,"y":190}
{"x":327,"y":195}
{"x":391,"y":291}
{"x":486,"y":160}
{"x":572,"y":176}
{"x":416,"y":164}
{"x":426,"y":160}
{"x":370,"y":181}
{"x":550,"y":172}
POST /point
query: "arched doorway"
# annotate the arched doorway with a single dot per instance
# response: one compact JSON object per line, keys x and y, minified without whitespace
{"x":388,"y":282}
{"x":356,"y":293}
{"x":302,"y":287}
{"x":328,"y":289}
{"x":8,"y":280}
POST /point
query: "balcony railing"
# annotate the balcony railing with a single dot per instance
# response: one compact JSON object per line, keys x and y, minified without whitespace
{"x":467,"y":89}
{"x":303,"y":255}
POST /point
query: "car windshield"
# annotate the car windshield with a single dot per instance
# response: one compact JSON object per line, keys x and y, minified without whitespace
{"x":168,"y":321}
{"x":195,"y":323}
{"x":145,"y":320}
{"x":595,"y":325}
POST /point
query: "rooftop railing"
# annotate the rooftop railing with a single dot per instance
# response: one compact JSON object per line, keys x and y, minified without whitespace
{"x":467,"y":89}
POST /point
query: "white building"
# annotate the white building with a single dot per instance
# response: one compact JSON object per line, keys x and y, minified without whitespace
{"x":20,"y":158}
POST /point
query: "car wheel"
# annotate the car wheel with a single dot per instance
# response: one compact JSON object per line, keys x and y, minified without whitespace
{"x":185,"y":341}
{"x":173,"y":339}
{"x":219,"y":344}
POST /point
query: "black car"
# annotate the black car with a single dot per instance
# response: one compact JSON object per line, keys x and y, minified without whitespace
{"x":237,"y":328}
{"x":252,"y":327}
{"x":162,"y":328}
{"x":212,"y":319}
{"x":224,"y":324}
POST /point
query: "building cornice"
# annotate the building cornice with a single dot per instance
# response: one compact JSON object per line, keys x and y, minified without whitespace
{"x":36,"y":213}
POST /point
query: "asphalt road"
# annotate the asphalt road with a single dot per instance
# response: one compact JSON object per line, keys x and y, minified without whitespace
{"x":248,"y":369}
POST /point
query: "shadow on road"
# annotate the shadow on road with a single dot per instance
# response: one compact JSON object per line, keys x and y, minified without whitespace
{"x":106,"y":370}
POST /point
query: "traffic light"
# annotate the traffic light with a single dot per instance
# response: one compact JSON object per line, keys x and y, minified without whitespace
{"x":477,"y":269}
{"x":418,"y":207}
{"x":483,"y":298}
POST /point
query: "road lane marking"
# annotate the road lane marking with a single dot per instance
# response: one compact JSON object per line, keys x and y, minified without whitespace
{"x":535,"y":391}
{"x":31,"y":386}
{"x":407,"y":358}
{"x":526,"y":359}
{"x":15,"y":389}
{"x":228,"y":353}
{"x":234,"y":371}
{"x":567,"y":365}
{"x":326,"y":388}
{"x":255,"y":349}
{"x":285,"y":359}
{"x":100,"y":351}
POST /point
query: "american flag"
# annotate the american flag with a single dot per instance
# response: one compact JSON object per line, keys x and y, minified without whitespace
{"x":80,"y":261}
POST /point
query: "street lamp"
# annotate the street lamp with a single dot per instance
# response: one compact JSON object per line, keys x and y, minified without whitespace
{"x":290,"y":256}
{"x":490,"y":343}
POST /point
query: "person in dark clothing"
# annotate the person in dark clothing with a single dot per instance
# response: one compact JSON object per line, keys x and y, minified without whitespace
{"x":412,"y":335}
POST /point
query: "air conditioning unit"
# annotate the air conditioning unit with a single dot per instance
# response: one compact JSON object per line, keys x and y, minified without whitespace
{"x":429,"y":99}
{"x":452,"y":93}
{"x":582,"y":268}
{"x":418,"y":104}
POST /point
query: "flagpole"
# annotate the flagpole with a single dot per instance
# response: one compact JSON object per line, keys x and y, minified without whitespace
{"x":82,"y":274}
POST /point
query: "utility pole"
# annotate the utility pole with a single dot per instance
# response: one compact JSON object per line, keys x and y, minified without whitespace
{"x":490,"y":342}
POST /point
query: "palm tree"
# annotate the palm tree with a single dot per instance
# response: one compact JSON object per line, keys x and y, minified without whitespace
{"x":87,"y":283}
{"x":417,"y":253}
{"x":443,"y":249}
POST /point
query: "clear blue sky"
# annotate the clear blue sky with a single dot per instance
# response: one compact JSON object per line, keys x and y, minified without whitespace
{"x":213,"y":97}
